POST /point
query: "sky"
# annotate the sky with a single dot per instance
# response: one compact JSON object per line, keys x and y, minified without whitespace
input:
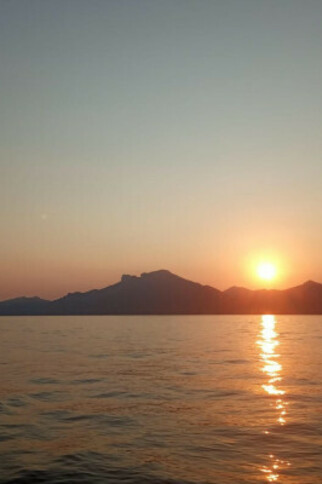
{"x":145,"y":134}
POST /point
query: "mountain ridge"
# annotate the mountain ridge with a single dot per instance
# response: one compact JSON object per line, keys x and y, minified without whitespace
{"x":162,"y":292}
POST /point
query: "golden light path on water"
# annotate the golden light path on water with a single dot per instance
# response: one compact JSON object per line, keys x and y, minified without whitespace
{"x":271,"y":366}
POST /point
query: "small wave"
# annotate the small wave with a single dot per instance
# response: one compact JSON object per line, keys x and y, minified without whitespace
{"x":80,"y":472}
{"x":100,"y":355}
{"x":110,"y":395}
{"x":46,"y":381}
{"x":64,"y":416}
{"x":83,"y":381}
{"x":237,"y":362}
{"x":16,"y":402}
{"x":47,"y":396}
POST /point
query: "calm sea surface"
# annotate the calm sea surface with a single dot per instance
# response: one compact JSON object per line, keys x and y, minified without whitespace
{"x":188,"y":399}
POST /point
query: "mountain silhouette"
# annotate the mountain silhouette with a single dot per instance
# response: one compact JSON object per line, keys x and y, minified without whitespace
{"x":161,"y":292}
{"x":24,"y":306}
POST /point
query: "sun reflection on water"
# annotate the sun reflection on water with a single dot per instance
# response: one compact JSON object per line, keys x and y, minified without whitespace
{"x":272,"y":368}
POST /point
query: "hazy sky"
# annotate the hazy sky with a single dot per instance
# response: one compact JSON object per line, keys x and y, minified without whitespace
{"x":145,"y":134}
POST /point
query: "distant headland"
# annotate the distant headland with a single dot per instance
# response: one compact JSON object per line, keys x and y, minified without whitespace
{"x":161,"y":292}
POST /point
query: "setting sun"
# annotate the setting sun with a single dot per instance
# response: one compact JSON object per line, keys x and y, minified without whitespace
{"x":266,"y":271}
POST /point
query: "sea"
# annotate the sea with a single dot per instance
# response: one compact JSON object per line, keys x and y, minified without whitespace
{"x":161,"y":399}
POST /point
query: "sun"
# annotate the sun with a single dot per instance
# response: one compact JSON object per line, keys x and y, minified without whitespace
{"x":266,"y":271}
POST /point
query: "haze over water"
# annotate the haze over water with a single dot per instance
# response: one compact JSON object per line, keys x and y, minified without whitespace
{"x":174,"y":399}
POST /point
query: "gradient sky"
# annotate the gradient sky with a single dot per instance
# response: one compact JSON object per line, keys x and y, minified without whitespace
{"x":142,"y":134}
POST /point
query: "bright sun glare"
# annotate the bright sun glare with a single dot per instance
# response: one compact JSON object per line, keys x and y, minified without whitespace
{"x":266,"y":271}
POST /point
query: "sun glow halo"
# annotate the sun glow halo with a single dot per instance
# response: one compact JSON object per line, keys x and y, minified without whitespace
{"x":266,"y":271}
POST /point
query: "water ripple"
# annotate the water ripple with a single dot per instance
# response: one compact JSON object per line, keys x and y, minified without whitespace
{"x":196,"y":400}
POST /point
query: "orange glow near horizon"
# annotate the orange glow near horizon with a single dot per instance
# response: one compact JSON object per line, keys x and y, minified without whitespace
{"x":268,"y":268}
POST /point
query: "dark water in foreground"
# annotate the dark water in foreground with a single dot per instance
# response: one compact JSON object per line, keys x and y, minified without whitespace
{"x":197,"y":399}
